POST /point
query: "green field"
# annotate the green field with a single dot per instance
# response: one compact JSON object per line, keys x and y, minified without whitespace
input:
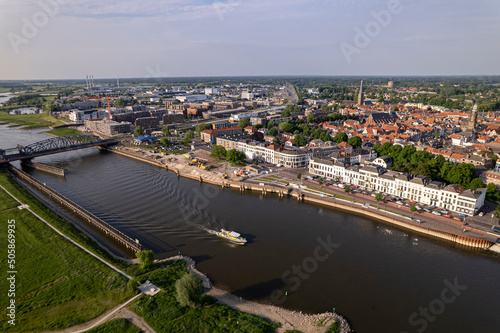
{"x":57,"y":284}
{"x":120,"y":325}
{"x":29,"y":120}
{"x":64,"y":131}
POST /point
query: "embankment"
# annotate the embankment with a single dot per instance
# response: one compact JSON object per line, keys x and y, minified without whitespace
{"x":471,"y":242}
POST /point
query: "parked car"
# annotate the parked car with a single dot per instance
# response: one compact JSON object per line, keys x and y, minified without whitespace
{"x":427,"y":210}
{"x":447,"y":216}
{"x":457,"y":219}
{"x":481,"y":213}
{"x":436,"y":213}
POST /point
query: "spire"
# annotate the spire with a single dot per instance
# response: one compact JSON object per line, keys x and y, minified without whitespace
{"x":361,"y":96}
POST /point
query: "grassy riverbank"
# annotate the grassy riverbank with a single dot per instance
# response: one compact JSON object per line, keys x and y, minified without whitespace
{"x":164,"y":314}
{"x":29,"y":120}
{"x":57,"y":284}
{"x":64,"y":131}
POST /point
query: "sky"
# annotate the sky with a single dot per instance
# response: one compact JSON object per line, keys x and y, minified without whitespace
{"x":69,"y":39}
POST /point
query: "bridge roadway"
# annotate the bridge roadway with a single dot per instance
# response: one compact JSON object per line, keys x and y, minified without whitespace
{"x":53,"y":146}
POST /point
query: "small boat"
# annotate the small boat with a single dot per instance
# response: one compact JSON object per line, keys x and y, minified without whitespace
{"x":232,"y":236}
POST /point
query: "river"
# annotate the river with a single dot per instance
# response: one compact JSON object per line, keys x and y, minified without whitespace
{"x":378,"y":276}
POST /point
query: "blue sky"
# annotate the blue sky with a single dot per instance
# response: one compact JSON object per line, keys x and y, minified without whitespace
{"x":124,"y":38}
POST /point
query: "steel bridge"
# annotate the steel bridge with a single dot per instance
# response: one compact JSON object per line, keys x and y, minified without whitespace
{"x":53,"y":146}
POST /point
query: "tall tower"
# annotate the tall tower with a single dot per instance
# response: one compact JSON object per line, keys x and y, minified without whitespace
{"x":361,"y":96}
{"x":473,"y":118}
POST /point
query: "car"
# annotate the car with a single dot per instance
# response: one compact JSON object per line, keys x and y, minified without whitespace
{"x":418,"y":221}
{"x":462,"y":215}
{"x":436,"y":213}
{"x":457,"y":219}
{"x":388,"y":199}
{"x":481,"y":214}
{"x":447,"y":216}
{"x":427,"y":210}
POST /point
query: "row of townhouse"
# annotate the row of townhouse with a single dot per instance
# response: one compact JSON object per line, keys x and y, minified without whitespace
{"x":419,"y":188}
{"x":267,"y":152}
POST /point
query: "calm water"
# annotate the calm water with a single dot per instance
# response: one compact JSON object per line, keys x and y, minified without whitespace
{"x":377,"y":276}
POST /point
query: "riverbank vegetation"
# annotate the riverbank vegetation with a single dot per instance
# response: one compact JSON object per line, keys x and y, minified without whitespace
{"x":28,"y":121}
{"x":58,"y":285}
{"x":64,"y":131}
{"x":164,"y":313}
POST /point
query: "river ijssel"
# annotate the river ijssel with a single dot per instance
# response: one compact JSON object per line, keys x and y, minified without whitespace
{"x":381,"y":278}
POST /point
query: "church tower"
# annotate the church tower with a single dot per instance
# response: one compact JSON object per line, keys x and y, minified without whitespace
{"x":473,"y":118}
{"x":361,"y":96}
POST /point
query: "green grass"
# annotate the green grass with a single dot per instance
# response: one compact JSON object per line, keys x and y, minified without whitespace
{"x":29,"y":120}
{"x":334,"y":328}
{"x":64,"y":131}
{"x":163,"y":313}
{"x":58,"y":222}
{"x":58,"y":285}
{"x":120,"y":325}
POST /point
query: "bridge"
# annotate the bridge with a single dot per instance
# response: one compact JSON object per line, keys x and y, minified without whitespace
{"x":53,"y":146}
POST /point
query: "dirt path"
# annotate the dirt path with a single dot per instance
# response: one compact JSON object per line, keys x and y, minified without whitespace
{"x":97,"y":321}
{"x":135,"y":319}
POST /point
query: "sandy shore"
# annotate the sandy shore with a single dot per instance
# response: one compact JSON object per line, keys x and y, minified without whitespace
{"x":290,"y":320}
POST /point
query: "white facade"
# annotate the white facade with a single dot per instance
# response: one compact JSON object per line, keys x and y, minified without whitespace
{"x":191,"y":98}
{"x":211,"y":91}
{"x":82,"y":115}
{"x":418,"y":189}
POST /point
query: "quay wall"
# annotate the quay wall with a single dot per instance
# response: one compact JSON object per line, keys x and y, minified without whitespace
{"x":44,"y":167}
{"x":87,"y":216}
{"x":478,"y":243}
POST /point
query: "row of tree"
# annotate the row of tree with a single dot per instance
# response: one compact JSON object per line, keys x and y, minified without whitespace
{"x":408,"y":159}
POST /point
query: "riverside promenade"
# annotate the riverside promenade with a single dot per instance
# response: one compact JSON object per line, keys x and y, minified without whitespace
{"x":444,"y":229}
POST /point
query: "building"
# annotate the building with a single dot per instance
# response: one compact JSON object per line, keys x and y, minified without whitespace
{"x":381,"y":118}
{"x":82,"y":115}
{"x":148,"y":122}
{"x":211,"y":91}
{"x":473,"y":119}
{"x":191,"y":98}
{"x":419,"y":188}
{"x":173,"y":118}
{"x":361,"y":95}
{"x":383,"y":161}
{"x":108,"y":127}
{"x":267,"y":152}
{"x":212,"y":134}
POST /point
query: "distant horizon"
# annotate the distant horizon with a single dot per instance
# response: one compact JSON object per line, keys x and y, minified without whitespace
{"x":354,"y":76}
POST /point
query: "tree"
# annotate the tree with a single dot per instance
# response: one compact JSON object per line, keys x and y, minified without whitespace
{"x":497,"y":211}
{"x":120,"y":103}
{"x":235,"y":156}
{"x":491,"y":193}
{"x":476,"y":183}
{"x":189,"y":135}
{"x":299,"y":177}
{"x":355,"y":142}
{"x":347,"y":190}
{"x":320,"y":181}
{"x":164,"y":142}
{"x":379,"y":198}
{"x":188,"y":290}
{"x":145,"y":258}
{"x":272,"y":131}
{"x":218,"y":152}
{"x":285,"y":126}
{"x":285,"y":114}
{"x":299,"y":140}
{"x":244,"y":122}
{"x":165,"y":130}
{"x":413,"y":209}
{"x":138,"y":131}
{"x":202,"y":127}
{"x":341,"y":137}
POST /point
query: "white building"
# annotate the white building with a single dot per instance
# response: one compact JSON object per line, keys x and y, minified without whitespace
{"x":211,"y":91}
{"x":419,"y":188}
{"x":82,"y":115}
{"x":191,"y":98}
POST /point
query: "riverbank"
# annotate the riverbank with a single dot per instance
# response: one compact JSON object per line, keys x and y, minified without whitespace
{"x":290,"y":320}
{"x":476,"y":242}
